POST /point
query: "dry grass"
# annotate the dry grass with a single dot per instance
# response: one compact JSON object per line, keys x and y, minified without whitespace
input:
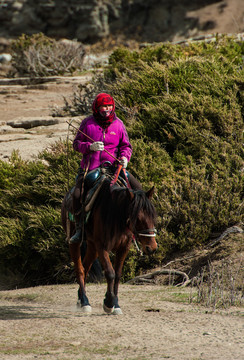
{"x":219,"y":286}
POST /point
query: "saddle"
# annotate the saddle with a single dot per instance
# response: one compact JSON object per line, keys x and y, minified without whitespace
{"x":94,"y":181}
{"x":92,"y":184}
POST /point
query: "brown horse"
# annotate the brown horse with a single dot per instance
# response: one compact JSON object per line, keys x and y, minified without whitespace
{"x":118,"y":217}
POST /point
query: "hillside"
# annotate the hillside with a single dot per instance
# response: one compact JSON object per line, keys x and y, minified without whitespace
{"x":90,"y":21}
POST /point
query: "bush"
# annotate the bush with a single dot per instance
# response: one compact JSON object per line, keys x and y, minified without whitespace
{"x":183,"y":107}
{"x":190,"y":104}
{"x":83,"y":97}
{"x":186,"y":131}
{"x":32,"y":240}
{"x":39,"y":55}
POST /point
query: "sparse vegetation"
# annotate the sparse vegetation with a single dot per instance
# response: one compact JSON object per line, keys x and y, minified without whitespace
{"x":39,"y":55}
{"x":219,"y":287}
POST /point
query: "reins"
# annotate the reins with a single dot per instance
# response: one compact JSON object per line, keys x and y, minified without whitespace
{"x":139,"y":251}
{"x":88,"y":137}
{"x":116,"y":176}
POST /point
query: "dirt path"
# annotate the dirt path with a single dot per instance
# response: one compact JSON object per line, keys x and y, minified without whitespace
{"x":45,"y":323}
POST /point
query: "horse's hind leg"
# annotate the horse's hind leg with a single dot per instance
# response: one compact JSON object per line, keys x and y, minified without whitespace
{"x":80,"y":276}
{"x":90,"y":256}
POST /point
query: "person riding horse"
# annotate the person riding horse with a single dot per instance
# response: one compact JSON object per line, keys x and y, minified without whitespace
{"x":101,"y":138}
{"x":118,"y":216}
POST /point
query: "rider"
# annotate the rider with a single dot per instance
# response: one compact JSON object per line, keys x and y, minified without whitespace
{"x":108,"y":133}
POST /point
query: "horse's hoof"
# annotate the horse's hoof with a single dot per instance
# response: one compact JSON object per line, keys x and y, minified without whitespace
{"x":86,"y":309}
{"x":107,"y":309}
{"x":117,"y":311}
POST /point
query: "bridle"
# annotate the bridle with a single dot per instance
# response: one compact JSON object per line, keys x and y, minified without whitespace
{"x":147,"y":233}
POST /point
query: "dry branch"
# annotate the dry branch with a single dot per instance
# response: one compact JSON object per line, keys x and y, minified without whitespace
{"x":233,"y":229}
{"x":150,"y":277}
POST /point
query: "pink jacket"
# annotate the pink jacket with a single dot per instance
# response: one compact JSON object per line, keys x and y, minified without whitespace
{"x":114,"y":137}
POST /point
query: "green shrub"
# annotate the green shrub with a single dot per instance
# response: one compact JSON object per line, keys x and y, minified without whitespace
{"x":32,"y":241}
{"x":190,"y":105}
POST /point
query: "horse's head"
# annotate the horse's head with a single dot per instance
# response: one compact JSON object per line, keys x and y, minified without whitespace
{"x":143,"y":218}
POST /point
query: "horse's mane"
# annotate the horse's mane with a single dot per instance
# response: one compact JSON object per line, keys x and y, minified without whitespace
{"x":141,"y":202}
{"x":116,"y":207}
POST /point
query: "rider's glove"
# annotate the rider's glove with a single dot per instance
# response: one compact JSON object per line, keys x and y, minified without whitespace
{"x":97,"y":146}
{"x":124,"y":162}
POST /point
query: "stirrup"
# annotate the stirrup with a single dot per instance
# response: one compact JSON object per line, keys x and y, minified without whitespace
{"x":76,"y":238}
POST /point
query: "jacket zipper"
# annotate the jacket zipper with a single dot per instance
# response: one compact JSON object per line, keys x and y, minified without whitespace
{"x":103,"y":143}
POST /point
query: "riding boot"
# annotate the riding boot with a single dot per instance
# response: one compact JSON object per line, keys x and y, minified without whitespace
{"x":77,"y":237}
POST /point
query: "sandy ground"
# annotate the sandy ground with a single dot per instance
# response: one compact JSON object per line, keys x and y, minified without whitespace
{"x":24,"y":102}
{"x":45,"y":323}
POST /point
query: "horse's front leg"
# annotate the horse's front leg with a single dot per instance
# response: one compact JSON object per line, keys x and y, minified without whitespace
{"x":119,"y":262}
{"x":80,"y":276}
{"x":109,"y":301}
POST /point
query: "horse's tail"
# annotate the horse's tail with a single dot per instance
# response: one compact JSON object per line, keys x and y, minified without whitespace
{"x":67,"y":224}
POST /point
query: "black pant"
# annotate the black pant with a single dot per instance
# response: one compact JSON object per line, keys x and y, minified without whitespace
{"x":134,"y":183}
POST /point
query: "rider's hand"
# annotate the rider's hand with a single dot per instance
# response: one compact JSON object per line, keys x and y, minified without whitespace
{"x":97,"y":146}
{"x":124,"y":162}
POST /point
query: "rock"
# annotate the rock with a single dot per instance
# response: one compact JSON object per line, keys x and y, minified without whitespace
{"x":144,"y":20}
{"x":5,"y":58}
{"x":31,"y":123}
{"x":6,"y":129}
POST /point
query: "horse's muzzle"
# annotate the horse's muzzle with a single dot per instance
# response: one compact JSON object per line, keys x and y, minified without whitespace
{"x":149,"y":250}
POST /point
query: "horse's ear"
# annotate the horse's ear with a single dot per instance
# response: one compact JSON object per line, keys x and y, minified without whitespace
{"x":130,"y":194}
{"x":150,"y":193}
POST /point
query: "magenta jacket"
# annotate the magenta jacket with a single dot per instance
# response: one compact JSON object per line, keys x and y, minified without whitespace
{"x":114,"y":137}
